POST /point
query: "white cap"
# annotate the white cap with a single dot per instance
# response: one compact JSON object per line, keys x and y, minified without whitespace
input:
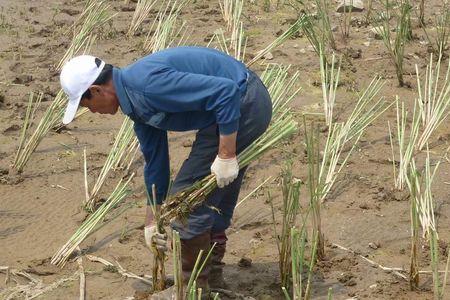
{"x":77,"y":75}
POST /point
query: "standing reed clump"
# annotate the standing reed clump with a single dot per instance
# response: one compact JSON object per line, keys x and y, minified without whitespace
{"x":439,"y":43}
{"x":143,"y":8}
{"x":94,"y":16}
{"x":314,"y":188}
{"x":28,"y":143}
{"x":121,"y":154}
{"x":299,"y":264}
{"x":422,"y":215}
{"x":93,"y":223}
{"x":346,"y":22}
{"x":231,"y":12}
{"x":430,"y":111}
{"x":323,"y":13}
{"x":237,"y":43}
{"x":289,"y":212}
{"x":165,"y":30}
{"x":323,"y":170}
{"x":33,"y":104}
{"x":396,"y":49}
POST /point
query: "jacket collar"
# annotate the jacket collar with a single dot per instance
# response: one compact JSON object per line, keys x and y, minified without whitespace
{"x":124,"y":101}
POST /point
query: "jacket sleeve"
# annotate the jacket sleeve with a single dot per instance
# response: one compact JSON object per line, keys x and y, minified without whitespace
{"x":154,"y":146}
{"x":174,"y":91}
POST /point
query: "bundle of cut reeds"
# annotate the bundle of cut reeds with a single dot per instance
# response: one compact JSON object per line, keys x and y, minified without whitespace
{"x":92,"y":223}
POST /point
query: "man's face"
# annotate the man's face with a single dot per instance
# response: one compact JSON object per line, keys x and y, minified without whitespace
{"x":103,"y":100}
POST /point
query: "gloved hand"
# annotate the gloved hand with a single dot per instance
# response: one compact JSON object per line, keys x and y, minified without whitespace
{"x":225,"y":169}
{"x":154,"y":239}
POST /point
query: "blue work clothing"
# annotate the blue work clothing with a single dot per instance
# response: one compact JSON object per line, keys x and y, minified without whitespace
{"x":179,"y":89}
{"x":256,"y":113}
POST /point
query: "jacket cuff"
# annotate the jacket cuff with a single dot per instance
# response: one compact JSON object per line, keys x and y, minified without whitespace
{"x":229,"y":128}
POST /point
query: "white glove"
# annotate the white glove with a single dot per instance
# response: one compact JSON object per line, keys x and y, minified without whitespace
{"x":154,"y":239}
{"x":225,"y":169}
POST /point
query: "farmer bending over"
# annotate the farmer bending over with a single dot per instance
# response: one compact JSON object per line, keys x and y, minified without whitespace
{"x":181,"y":89}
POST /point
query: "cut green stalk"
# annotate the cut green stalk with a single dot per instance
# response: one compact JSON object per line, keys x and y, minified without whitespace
{"x":143,"y":8}
{"x":192,"y":293}
{"x":92,"y":223}
{"x":159,"y":273}
{"x":406,"y":146}
{"x":330,"y":81}
{"x":177,"y":269}
{"x":414,"y":189}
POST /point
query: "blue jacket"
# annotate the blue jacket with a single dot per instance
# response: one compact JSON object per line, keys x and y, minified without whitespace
{"x":178,"y":89}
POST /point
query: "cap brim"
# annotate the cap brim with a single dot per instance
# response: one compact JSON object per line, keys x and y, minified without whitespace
{"x":71,"y":110}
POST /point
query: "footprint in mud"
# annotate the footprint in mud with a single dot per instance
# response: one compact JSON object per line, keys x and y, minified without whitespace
{"x":347,"y":279}
{"x":11,"y":231}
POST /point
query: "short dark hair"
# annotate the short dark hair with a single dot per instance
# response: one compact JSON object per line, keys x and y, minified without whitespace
{"x":104,"y":76}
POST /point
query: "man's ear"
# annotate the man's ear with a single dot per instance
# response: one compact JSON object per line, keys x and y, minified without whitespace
{"x":95,"y":90}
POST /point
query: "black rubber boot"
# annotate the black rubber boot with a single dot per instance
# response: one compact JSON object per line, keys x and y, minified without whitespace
{"x":216,"y":279}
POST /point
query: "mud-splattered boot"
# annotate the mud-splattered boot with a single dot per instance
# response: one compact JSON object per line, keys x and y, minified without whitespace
{"x":189,"y":252}
{"x":216,"y":279}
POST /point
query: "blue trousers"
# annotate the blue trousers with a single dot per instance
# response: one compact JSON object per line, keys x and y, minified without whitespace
{"x":256,"y":113}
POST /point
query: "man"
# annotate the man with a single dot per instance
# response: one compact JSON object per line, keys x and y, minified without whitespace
{"x":181,"y":89}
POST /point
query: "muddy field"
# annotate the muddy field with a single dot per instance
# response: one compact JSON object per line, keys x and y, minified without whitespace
{"x":42,"y":209}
